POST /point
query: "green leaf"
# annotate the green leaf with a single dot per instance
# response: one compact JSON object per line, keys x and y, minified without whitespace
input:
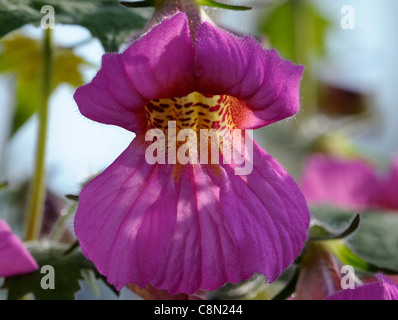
{"x":239,"y":290}
{"x":72,"y":197}
{"x":212,"y":3}
{"x":295,"y":28}
{"x":139,"y":3}
{"x":332,"y":219}
{"x":374,"y":242}
{"x":108,"y":21}
{"x":319,"y":233}
{"x":289,"y":287}
{"x":67,"y":271}
{"x":21,"y":56}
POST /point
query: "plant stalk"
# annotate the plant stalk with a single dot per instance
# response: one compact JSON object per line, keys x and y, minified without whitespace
{"x":38,"y":187}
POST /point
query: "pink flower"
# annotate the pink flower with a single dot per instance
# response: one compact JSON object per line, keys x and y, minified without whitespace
{"x":383,"y":289}
{"x":14,"y":257}
{"x":349,"y":183}
{"x":193,"y":226}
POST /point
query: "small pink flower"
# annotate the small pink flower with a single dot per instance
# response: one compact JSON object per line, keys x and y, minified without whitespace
{"x":14,"y":257}
{"x":193,"y":226}
{"x":383,"y":289}
{"x":349,"y":183}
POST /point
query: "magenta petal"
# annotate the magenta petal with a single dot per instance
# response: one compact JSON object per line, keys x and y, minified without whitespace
{"x":193,"y":228}
{"x":161,"y":63}
{"x":14,"y":257}
{"x":349,"y":184}
{"x":110,"y":98}
{"x":240,"y":67}
{"x":267,"y":214}
{"x":130,"y":200}
{"x":384,"y":289}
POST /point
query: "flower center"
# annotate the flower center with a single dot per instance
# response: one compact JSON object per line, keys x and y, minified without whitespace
{"x":194,"y":129}
{"x":194,"y":111}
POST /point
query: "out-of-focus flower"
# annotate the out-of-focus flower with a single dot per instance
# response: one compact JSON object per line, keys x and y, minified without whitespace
{"x":349,"y":183}
{"x":383,"y":289}
{"x":184,"y":227}
{"x":14,"y":257}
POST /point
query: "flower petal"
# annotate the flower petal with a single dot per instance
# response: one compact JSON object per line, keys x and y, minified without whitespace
{"x":384,"y":289}
{"x":110,"y":98}
{"x":128,"y":198}
{"x":240,"y":67}
{"x":350,"y":184}
{"x":184,"y":228}
{"x":267,"y":213}
{"x":159,"y":64}
{"x":14,"y":257}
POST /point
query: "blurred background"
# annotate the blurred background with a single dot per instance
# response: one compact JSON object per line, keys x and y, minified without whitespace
{"x":349,"y":96}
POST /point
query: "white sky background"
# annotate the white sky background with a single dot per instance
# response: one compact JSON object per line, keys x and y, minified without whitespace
{"x":77,"y":147}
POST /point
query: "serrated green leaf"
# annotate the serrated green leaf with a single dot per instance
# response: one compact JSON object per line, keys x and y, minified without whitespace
{"x":108,"y":21}
{"x":16,"y":13}
{"x":67,"y":270}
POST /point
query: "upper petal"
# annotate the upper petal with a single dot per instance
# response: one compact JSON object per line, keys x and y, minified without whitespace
{"x":350,"y":184}
{"x":240,"y":67}
{"x":14,"y":257}
{"x":159,"y":64}
{"x":184,"y":228}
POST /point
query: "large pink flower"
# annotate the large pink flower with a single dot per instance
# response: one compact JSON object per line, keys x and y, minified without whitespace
{"x":349,"y":183}
{"x":14,"y":257}
{"x":193,"y":226}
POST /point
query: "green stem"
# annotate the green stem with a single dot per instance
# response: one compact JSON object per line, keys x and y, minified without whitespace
{"x":60,"y":226}
{"x":38,"y":187}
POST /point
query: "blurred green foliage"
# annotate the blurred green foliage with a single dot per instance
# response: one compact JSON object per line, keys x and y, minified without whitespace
{"x":22,"y":57}
{"x":375,"y":241}
{"x":296,"y":28}
{"x":108,"y":21}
